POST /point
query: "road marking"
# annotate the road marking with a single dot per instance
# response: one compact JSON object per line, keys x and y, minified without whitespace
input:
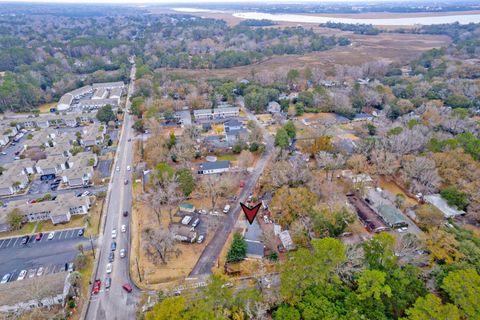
{"x":9,"y":240}
{"x":60,"y":235}
{"x":16,"y":239}
{"x":3,"y":241}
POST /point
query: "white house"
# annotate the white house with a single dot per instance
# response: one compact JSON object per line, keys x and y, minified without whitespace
{"x":214,"y":167}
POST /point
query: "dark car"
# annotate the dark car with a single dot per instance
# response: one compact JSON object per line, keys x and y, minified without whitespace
{"x":39,"y":236}
{"x":111,"y":256}
{"x":25,"y":239}
{"x":113,"y":246}
{"x":108,"y":283}
{"x":125,"y":182}
{"x":127,"y":287}
{"x":125,"y":213}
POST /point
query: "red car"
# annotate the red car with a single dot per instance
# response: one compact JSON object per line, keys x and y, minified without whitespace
{"x":127,"y":287}
{"x":39,"y":236}
{"x":96,"y":286}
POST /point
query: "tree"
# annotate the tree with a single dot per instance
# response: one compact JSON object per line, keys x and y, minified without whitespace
{"x":80,"y":248}
{"x":215,"y":187}
{"x":281,"y":139}
{"x":138,"y":126}
{"x":428,"y":216}
{"x":420,"y":174}
{"x":380,"y":251}
{"x":443,"y":246}
{"x":171,"y":308}
{"x":81,"y":261}
{"x":105,"y":114}
{"x":455,"y":198}
{"x":286,"y":312}
{"x":245,"y":159}
{"x":172,"y":140}
{"x":157,"y":243}
{"x":431,"y":307}
{"x":463,"y":287}
{"x":15,"y":219}
{"x":290,"y":128}
{"x":288,"y":204}
{"x":238,"y":249}
{"x":371,"y":284}
{"x":185,"y":181}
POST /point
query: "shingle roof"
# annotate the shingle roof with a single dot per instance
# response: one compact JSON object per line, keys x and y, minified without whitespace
{"x":215,"y":165}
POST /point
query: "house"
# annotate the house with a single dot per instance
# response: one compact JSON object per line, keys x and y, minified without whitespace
{"x":59,"y":210}
{"x":108,"y":85}
{"x":97,"y":103}
{"x":100,"y":93}
{"x":360,"y":178}
{"x":37,"y":292}
{"x":115,"y":93}
{"x":391,"y":216}
{"x":214,"y":167}
{"x":80,"y":92}
{"x":183,"y":117}
{"x":232,"y":125}
{"x":4,"y":140}
{"x":253,"y":238}
{"x":217,"y":113}
{"x":12,"y":182}
{"x":437,"y":201}
{"x":52,"y":165}
{"x":274,"y":107}
{"x":78,"y":176}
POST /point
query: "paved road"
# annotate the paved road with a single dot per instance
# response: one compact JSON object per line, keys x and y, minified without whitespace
{"x":116,"y":303}
{"x":10,"y":151}
{"x":50,"y":254}
{"x":212,"y":251}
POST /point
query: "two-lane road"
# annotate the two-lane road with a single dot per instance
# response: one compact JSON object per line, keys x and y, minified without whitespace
{"x":116,"y":303}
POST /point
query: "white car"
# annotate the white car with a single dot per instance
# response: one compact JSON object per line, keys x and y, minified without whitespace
{"x":123,"y":253}
{"x":123,"y":228}
{"x":128,"y":168}
{"x":39,"y":271}
{"x":31,"y":273}
{"x":201,"y":238}
{"x":51,"y":235}
{"x":22,"y":275}
{"x":118,"y":168}
{"x":5,"y":278}
{"x":114,"y":233}
{"x":109,"y":268}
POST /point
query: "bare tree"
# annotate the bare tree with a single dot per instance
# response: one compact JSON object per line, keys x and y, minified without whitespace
{"x":158,"y":243}
{"x":329,"y":162}
{"x":215,"y":187}
{"x":420,"y":174}
{"x":245,"y":159}
{"x":385,"y":162}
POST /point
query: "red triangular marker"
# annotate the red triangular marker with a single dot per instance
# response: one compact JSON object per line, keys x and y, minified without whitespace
{"x":250,"y":213}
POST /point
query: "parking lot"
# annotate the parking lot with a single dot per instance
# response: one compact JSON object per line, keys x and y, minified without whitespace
{"x":10,"y":151}
{"x":50,"y":255}
{"x":41,"y":187}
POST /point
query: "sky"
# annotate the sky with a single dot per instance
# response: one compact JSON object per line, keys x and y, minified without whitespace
{"x":186,"y":1}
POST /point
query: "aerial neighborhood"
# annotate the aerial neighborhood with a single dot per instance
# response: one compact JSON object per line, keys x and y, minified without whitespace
{"x":240,"y":161}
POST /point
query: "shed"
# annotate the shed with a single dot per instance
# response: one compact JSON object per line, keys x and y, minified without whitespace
{"x":442,"y":205}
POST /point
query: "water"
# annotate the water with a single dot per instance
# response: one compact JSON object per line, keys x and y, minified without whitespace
{"x":462,"y":19}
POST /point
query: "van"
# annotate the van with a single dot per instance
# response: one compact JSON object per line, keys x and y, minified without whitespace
{"x":226,"y":208}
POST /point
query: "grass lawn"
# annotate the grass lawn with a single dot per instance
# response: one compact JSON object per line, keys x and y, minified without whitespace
{"x":86,"y":274}
{"x":27,"y":228}
{"x":95,"y":216}
{"x":229,"y":157}
{"x":75,"y":222}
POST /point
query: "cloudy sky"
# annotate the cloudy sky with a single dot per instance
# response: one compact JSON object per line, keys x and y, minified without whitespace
{"x":186,"y":1}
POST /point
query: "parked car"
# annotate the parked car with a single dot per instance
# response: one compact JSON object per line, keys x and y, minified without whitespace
{"x":195,"y":223}
{"x":114,"y":233}
{"x":226,"y":209}
{"x":39,"y":236}
{"x":71,"y":267}
{"x":123,"y":228}
{"x":125,"y":182}
{"x":31,"y":273}
{"x":22,"y":275}
{"x":25,"y":239}
{"x":51,"y":235}
{"x":123,"y":253}
{"x":5,"y":278}
{"x":86,"y":193}
{"x":40,"y":271}
{"x":111,"y":256}
{"x":125,"y":213}
{"x":113,"y":246}
{"x":108,"y":282}
{"x":109,"y":268}
{"x":96,"y":286}
{"x":81,"y":232}
{"x":117,"y":168}
{"x":200,"y":238}
{"x":127,"y":287}
{"x":128,"y":168}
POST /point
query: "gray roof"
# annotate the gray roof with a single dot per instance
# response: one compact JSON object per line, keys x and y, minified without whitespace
{"x":254,"y":233}
{"x":232,"y":123}
{"x":222,"y":164}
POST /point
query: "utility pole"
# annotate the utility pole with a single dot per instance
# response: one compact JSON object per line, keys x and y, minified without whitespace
{"x":93,"y":249}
